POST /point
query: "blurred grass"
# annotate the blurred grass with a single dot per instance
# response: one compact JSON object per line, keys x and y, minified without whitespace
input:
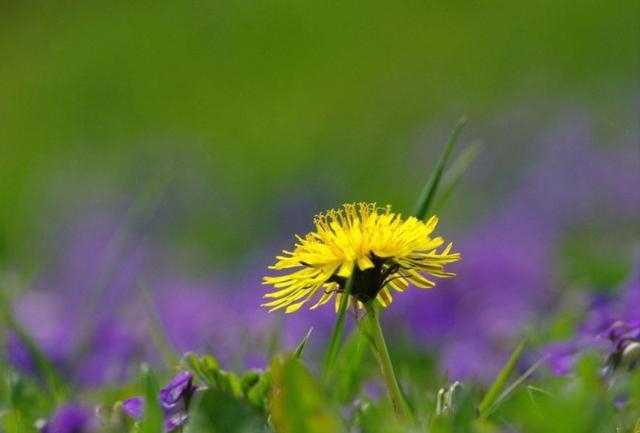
{"x":274,"y":97}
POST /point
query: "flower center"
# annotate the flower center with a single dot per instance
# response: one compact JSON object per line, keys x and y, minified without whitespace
{"x":367,"y":283}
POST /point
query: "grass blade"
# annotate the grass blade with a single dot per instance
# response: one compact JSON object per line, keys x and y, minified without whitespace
{"x":298,"y":353}
{"x":456,"y":172}
{"x":338,"y":330}
{"x":423,"y":205}
{"x":152,"y":419}
{"x":43,"y":364}
{"x":159,"y":336}
{"x":138,"y":215}
{"x":498,"y":385}
{"x":511,"y":388}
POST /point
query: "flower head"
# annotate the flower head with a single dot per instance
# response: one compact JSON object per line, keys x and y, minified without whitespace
{"x":379,"y":249}
{"x":174,"y":400}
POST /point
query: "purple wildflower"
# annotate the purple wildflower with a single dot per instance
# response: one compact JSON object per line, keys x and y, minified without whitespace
{"x":88,"y":340}
{"x":610,"y":327}
{"x":477,"y":318}
{"x":625,"y":344}
{"x":174,"y":400}
{"x":71,"y":418}
{"x":561,"y":358}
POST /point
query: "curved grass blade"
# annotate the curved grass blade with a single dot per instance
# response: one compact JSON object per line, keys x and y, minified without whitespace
{"x":498,"y":385}
{"x":298,"y":353}
{"x":456,"y":172}
{"x":531,"y":390}
{"x":158,"y":334}
{"x":511,"y":388}
{"x":138,"y":214}
{"x":43,"y":364}
{"x":338,"y":329}
{"x":425,"y":201}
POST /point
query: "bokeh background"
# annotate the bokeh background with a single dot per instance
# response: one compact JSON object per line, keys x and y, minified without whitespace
{"x":155,"y":156}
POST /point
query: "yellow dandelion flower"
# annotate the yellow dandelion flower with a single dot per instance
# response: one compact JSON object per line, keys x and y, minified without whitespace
{"x":383,"y":251}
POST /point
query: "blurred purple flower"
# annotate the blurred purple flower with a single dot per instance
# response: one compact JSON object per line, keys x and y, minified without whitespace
{"x":506,"y":277}
{"x":610,"y":327}
{"x":174,"y":400}
{"x":625,"y":341}
{"x":74,"y":311}
{"x":561,"y":358}
{"x":86,"y":314}
{"x":71,"y":418}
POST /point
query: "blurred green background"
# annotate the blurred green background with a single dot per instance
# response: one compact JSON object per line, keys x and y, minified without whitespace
{"x":240,"y":105}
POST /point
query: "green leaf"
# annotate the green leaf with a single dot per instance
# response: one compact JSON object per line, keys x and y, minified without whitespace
{"x":258,"y":394}
{"x":19,"y":417}
{"x":298,"y":353}
{"x":152,"y":420}
{"x":345,"y":386}
{"x":214,"y":411}
{"x":249,"y":379}
{"x":203,"y":368}
{"x":423,"y":205}
{"x":498,"y":385}
{"x":338,"y":330}
{"x":253,"y":386}
{"x":299,"y":403}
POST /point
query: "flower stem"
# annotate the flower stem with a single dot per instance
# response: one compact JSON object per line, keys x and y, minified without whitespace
{"x":338,"y":330}
{"x":384,"y":360}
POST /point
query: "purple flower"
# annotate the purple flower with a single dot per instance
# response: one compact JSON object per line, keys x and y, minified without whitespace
{"x":71,"y":418}
{"x":86,"y":313}
{"x":561,"y":358}
{"x":174,"y":400}
{"x":625,"y":344}
{"x":610,"y":327}
{"x":134,"y":407}
{"x":506,"y":278}
{"x":74,"y":311}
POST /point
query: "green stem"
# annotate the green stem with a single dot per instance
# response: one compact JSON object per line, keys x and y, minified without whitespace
{"x":385,"y":361}
{"x":338,"y":329}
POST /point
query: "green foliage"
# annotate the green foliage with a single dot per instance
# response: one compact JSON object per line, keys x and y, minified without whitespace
{"x":581,"y":404}
{"x":215,"y":411}
{"x":252,"y":387}
{"x":152,"y":420}
{"x":20,"y":404}
{"x":501,"y":381}
{"x":299,"y":402}
{"x":353,"y":368}
{"x":288,"y":398}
